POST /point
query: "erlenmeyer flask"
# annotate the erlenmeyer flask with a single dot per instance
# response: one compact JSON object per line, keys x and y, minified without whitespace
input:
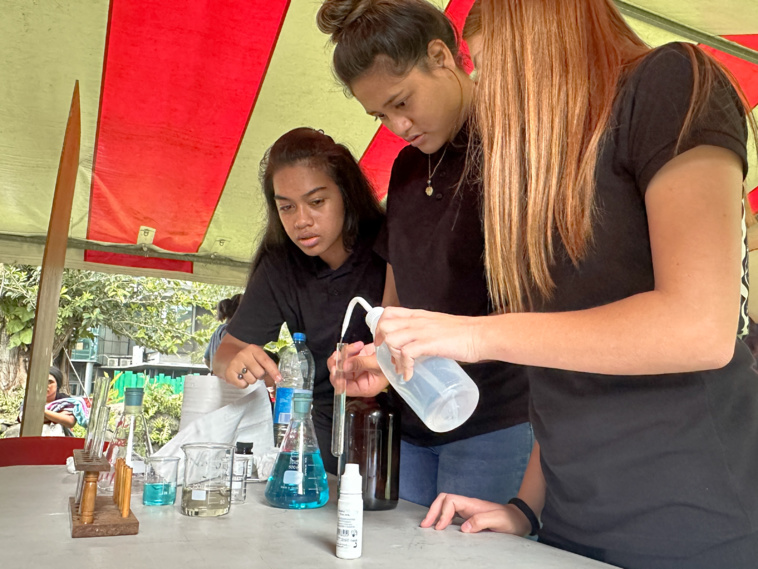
{"x":298,"y":480}
{"x":130,"y":442}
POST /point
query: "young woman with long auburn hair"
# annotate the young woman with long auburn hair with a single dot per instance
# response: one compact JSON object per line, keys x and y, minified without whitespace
{"x":399,"y":58}
{"x":615,"y":254}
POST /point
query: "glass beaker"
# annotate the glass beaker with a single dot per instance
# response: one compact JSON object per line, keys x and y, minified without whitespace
{"x":207,"y":479}
{"x":160,"y":480}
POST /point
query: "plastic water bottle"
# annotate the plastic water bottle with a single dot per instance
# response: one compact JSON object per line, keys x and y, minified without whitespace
{"x":307,"y":363}
{"x":298,"y":480}
{"x":440,"y":392}
{"x":292,"y":380}
{"x":298,"y":370}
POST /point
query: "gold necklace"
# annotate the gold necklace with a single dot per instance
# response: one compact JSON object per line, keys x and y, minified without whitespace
{"x":429,"y":189}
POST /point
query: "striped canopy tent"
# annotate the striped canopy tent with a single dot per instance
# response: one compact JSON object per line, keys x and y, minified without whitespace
{"x":180,"y":99}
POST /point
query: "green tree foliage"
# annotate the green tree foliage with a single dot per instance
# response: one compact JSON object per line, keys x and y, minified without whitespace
{"x":163,"y":410}
{"x":155,"y":312}
{"x":10,"y":403}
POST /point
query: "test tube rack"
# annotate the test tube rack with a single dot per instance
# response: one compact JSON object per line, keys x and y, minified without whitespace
{"x":99,"y":516}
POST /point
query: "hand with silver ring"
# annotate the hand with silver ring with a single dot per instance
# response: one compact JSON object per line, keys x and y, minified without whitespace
{"x":252,"y":363}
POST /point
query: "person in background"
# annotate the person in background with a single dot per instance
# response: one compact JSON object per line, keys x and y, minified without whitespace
{"x":316,"y":255}
{"x":59,"y":418}
{"x":615,"y":228}
{"x":400,"y":60}
{"x":224,"y":312}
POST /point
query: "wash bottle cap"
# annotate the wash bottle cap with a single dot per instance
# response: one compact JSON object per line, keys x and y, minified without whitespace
{"x":372,"y":318}
{"x":351,"y":481}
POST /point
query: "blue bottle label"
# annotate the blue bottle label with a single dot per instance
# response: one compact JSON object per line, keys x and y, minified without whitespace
{"x":283,"y":405}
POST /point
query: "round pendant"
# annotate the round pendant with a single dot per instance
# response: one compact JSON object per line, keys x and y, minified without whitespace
{"x":429,"y":191}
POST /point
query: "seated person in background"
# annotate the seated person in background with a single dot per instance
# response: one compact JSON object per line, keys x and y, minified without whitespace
{"x":224,"y":312}
{"x":59,"y":417}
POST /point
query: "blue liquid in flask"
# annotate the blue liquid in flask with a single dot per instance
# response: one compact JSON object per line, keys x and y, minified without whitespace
{"x":298,"y":486}
{"x":160,"y":494}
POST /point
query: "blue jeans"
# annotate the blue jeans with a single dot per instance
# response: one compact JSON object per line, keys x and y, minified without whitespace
{"x":489,"y":466}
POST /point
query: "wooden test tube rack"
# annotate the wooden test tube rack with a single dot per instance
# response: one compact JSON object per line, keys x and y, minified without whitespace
{"x":101,"y":515}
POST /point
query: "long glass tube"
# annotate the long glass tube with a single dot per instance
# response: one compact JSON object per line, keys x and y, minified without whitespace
{"x":338,"y":417}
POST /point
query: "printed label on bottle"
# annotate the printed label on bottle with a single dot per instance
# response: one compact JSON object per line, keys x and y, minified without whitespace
{"x":283,"y":405}
{"x":238,"y":473}
{"x":240,"y":465}
{"x":198,"y":494}
{"x":349,"y":525}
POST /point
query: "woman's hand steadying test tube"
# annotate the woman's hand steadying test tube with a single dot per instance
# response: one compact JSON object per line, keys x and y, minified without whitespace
{"x":360,"y":371}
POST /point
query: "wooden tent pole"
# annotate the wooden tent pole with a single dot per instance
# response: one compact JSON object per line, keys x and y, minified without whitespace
{"x":52,"y":274}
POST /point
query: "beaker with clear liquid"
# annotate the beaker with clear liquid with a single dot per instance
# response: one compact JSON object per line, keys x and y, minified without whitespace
{"x":298,"y":480}
{"x":207,"y":479}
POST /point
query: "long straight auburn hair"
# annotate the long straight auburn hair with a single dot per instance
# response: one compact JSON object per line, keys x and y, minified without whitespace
{"x":550,"y":72}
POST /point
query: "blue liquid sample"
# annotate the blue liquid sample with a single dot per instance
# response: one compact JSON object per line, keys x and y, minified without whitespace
{"x":161,"y":494}
{"x":298,"y":484}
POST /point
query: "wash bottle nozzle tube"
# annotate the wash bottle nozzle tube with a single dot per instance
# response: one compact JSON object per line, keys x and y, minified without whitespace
{"x":349,"y":313}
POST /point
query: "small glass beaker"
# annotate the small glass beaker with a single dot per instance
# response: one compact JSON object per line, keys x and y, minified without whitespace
{"x":160,"y":480}
{"x":207,"y":479}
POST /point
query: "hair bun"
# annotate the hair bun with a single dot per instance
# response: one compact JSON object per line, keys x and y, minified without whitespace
{"x":335,"y":15}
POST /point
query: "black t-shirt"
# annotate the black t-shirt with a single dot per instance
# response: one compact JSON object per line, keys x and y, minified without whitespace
{"x":435,"y":245}
{"x":312,"y":298}
{"x":661,"y":464}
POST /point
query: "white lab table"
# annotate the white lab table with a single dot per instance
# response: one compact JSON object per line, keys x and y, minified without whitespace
{"x":36,"y":533}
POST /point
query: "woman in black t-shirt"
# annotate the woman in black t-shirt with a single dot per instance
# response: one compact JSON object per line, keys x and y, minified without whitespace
{"x":623,"y":260}
{"x":315,"y":255}
{"x":400,"y":60}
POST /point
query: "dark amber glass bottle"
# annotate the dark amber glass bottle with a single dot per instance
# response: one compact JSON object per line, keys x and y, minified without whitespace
{"x":372,"y":429}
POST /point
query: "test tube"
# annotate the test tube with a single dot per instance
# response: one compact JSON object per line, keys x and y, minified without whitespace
{"x":338,"y":417}
{"x":93,"y":444}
